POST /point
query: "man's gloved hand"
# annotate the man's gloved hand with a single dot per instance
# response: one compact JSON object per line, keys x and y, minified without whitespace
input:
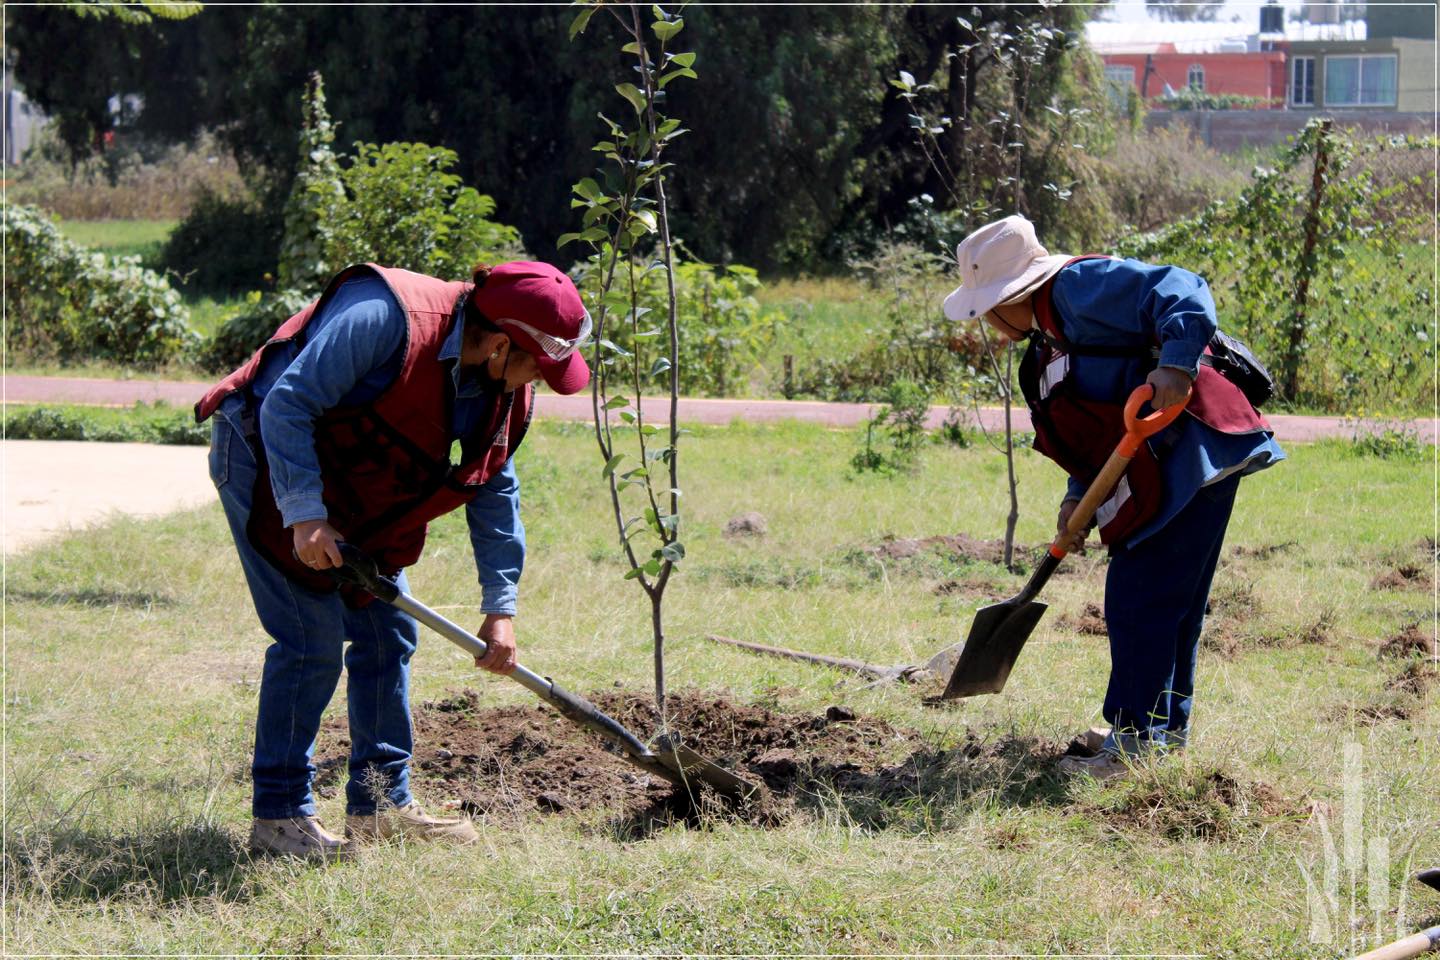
{"x":498,"y":632}
{"x":1075,"y":544}
{"x":1171,"y":386}
{"x":317,"y":544}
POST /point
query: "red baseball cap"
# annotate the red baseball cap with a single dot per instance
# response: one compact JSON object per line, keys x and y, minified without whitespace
{"x":538,"y":307}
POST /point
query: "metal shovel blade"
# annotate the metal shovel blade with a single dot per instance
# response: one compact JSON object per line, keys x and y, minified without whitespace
{"x":691,"y":766}
{"x":997,"y":635}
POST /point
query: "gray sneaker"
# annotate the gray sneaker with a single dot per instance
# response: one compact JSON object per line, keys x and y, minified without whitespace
{"x":301,"y":837}
{"x":412,"y":823}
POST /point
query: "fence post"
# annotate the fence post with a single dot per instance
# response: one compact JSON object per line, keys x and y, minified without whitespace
{"x":789,"y":383}
{"x":1307,"y":267}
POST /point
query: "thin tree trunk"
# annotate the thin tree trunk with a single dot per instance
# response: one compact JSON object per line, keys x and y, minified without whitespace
{"x":1014,"y":514}
{"x":1305,"y":271}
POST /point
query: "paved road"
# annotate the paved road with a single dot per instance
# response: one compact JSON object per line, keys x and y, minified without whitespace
{"x":49,"y":487}
{"x":125,"y":393}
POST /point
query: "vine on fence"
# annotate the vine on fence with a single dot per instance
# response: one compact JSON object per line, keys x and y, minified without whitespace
{"x":625,"y":213}
{"x":1309,"y":265}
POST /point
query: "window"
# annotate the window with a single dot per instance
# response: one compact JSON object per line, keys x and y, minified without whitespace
{"x":1195,"y":77}
{"x":1302,"y":82}
{"x":1119,"y":81}
{"x":1367,"y":80}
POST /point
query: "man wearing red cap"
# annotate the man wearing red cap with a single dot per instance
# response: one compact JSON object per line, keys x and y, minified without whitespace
{"x":340,"y":429}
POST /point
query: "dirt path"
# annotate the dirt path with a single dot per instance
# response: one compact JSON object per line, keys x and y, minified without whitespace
{"x":51,"y":487}
{"x":124,"y":393}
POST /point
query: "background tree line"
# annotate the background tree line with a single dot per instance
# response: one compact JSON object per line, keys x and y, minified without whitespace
{"x":800,"y":151}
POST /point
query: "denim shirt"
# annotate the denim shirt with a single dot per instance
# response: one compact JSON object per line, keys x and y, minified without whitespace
{"x":1129,"y":303}
{"x":352,"y":352}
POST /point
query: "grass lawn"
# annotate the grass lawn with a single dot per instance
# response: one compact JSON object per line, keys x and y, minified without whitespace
{"x":133,"y":656}
{"x":121,"y":238}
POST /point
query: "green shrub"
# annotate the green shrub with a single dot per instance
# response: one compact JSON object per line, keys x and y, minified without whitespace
{"x":900,"y":426}
{"x":1155,"y":177}
{"x":241,"y":334}
{"x":142,"y":423}
{"x":724,"y":329}
{"x":226,"y":245}
{"x":404,"y":208}
{"x":66,"y":303}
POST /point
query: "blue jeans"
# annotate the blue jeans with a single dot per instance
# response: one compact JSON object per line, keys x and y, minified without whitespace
{"x":302,"y":665}
{"x":1155,"y":597}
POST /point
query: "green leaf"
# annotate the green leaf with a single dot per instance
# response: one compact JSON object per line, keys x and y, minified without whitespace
{"x":588,"y":188}
{"x":578,"y":25}
{"x":611,"y":464}
{"x":674,"y":552}
{"x":627,"y":416}
{"x":634,"y":572}
{"x":661,"y":365}
{"x":649,"y":429}
{"x":666,"y":29}
{"x":614,"y":402}
{"x":633,"y":47}
{"x":647,"y":217}
{"x":653,"y":565}
{"x":567,"y":238}
{"x":682,"y":72}
{"x":629,"y":92}
{"x":681,"y":60}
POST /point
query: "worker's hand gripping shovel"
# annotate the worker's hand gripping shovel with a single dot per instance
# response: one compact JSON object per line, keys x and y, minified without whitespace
{"x":670,"y":760}
{"x":1000,"y":630}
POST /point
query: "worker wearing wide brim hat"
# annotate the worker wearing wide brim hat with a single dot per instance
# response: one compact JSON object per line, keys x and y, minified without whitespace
{"x":342,"y":428}
{"x":1098,"y":327}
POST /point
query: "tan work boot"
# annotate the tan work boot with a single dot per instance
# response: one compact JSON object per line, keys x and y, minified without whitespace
{"x":302,"y":837}
{"x":412,"y":823}
{"x":1102,"y":766}
{"x":1089,"y":743}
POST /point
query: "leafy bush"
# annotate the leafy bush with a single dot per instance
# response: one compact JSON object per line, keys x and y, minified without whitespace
{"x":66,"y":303}
{"x":241,"y":334}
{"x":901,"y":427}
{"x":1336,"y":305}
{"x":135,"y":178}
{"x":142,"y":423}
{"x":913,"y":339}
{"x":225,"y":246}
{"x":1158,"y":176}
{"x":404,"y":208}
{"x":725,"y":330}
{"x":1188,"y":99}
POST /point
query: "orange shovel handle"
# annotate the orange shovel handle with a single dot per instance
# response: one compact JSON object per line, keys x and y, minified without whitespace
{"x":1137,"y":430}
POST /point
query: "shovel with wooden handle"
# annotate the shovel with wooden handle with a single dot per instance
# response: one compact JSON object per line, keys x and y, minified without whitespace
{"x":1417,"y":943}
{"x":671,"y":760}
{"x":1000,"y":630}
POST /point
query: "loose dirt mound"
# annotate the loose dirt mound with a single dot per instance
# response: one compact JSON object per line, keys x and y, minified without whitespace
{"x":1403,"y":577}
{"x":971,"y":588}
{"x":1181,"y":804}
{"x":960,"y":549}
{"x":1090,"y":622}
{"x":1409,"y":642}
{"x":1264,"y":552}
{"x":507,"y":762}
{"x":1415,"y":680}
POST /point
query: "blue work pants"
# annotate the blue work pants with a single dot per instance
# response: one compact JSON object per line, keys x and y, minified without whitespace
{"x":303,"y":663}
{"x":1155,"y":598}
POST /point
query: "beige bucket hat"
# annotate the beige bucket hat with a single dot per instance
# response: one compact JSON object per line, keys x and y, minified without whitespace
{"x":998,"y":263}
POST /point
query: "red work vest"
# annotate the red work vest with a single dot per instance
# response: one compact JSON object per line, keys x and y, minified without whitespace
{"x":385,"y":465}
{"x":1080,"y":434}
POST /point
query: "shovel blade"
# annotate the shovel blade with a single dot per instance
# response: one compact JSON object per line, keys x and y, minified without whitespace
{"x":693,"y":767}
{"x":997,"y":635}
